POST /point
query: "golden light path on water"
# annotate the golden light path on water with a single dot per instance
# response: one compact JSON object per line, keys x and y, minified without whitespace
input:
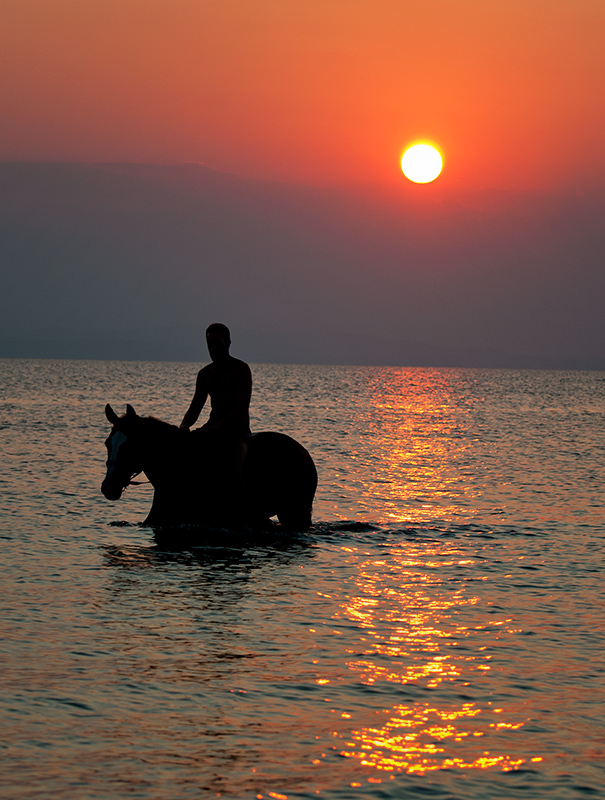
{"x":420,"y":448}
{"x":424,"y":646}
{"x":425,"y":461}
{"x":417,"y":625}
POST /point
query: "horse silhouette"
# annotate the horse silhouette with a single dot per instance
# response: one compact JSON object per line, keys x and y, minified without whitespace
{"x":279,"y":476}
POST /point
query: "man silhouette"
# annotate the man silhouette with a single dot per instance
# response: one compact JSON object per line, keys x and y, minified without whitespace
{"x":228,"y":382}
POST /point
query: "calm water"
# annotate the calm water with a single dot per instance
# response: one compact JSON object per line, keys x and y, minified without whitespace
{"x":439,"y":633}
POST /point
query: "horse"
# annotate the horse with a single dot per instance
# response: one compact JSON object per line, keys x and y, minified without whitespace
{"x":279,"y":476}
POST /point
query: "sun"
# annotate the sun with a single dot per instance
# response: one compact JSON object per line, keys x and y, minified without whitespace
{"x":421,"y":163}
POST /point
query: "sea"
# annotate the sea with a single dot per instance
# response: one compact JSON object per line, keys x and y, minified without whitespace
{"x":438,"y":633}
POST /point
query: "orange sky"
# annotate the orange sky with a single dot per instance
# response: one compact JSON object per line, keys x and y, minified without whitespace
{"x":319,"y":91}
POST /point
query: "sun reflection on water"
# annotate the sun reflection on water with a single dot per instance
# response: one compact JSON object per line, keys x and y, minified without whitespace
{"x":418,"y":627}
{"x":422,"y":429}
{"x":413,"y":740}
{"x":418,"y":612}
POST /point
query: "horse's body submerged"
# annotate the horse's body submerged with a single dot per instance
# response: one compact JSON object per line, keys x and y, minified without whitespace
{"x":279,"y":475}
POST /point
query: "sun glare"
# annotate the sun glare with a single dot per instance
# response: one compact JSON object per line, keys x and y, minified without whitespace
{"x":421,"y":163}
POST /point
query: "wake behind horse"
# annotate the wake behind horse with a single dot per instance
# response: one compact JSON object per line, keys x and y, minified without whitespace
{"x":279,"y":475}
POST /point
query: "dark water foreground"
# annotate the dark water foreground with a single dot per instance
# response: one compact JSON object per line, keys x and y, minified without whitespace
{"x":439,"y":633}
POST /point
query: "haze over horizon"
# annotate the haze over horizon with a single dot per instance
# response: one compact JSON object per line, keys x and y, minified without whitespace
{"x":133,"y":261}
{"x":168,"y":164}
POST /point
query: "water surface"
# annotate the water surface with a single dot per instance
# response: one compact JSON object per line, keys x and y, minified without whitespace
{"x":439,"y":633}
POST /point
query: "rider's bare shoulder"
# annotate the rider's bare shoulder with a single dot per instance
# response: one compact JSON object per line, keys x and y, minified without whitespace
{"x":204,"y":376}
{"x":240,"y":366}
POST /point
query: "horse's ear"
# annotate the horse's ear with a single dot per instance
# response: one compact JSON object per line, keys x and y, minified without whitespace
{"x":111,"y":415}
{"x":131,"y":414}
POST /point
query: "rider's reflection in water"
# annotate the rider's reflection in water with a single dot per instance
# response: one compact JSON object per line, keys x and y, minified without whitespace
{"x":223,"y":438}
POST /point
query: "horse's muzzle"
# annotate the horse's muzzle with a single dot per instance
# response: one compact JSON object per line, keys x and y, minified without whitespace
{"x":111,"y":489}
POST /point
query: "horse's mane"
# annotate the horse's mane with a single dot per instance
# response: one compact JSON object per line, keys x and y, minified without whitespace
{"x":158,"y":426}
{"x":169,"y":438}
{"x":157,"y":423}
{"x":153,"y":425}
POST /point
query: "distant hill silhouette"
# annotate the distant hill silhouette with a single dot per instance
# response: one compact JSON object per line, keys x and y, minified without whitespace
{"x":133,"y":261}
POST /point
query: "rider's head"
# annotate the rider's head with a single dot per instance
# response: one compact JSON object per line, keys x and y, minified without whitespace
{"x":218,"y":340}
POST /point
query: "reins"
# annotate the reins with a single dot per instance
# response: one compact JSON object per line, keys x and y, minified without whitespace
{"x":135,"y":483}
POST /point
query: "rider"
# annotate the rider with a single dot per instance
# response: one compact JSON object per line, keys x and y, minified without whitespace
{"x":228,"y":381}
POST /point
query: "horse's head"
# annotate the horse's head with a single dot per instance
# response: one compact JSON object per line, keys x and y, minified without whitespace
{"x":123,"y":451}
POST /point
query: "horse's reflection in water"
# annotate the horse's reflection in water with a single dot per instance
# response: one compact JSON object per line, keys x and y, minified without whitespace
{"x":279,"y":477}
{"x":234,"y":556}
{"x":220,"y":571}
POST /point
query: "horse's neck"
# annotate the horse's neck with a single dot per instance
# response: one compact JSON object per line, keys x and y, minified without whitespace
{"x":163,"y":449}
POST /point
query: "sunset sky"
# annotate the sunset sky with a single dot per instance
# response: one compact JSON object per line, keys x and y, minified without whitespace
{"x":323,"y":93}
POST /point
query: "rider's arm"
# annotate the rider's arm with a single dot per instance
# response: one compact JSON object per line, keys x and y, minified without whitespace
{"x":199,"y":398}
